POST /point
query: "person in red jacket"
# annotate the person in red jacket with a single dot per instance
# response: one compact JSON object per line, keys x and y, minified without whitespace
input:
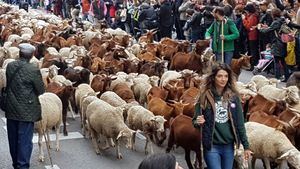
{"x":85,"y":8}
{"x":250,"y":22}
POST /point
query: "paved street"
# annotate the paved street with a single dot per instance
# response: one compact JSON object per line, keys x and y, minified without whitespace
{"x":78,"y":153}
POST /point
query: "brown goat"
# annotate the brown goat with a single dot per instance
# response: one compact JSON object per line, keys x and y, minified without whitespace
{"x":185,"y":135}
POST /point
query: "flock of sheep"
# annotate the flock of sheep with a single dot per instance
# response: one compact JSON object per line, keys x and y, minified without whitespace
{"x":111,"y":121}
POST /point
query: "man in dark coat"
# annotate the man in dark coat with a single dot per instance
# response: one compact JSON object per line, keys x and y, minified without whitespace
{"x":176,"y":4}
{"x":265,"y":19}
{"x":23,"y":108}
{"x":166,"y":20}
{"x":147,"y":17}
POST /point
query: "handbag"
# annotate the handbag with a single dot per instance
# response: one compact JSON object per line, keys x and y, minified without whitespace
{"x":3,"y":96}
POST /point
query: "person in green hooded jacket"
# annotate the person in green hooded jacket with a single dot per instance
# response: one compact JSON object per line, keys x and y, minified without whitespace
{"x":214,"y":32}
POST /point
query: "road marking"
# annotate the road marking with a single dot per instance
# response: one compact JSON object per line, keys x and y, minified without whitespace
{"x":71,"y":135}
{"x":4,"y":120}
{"x":139,"y":135}
{"x":50,"y":167}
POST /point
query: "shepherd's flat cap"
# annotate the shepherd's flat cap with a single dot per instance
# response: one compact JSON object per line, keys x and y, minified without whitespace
{"x":26,"y":48}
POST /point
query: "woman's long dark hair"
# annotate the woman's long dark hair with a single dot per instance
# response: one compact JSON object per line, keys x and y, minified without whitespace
{"x":229,"y":90}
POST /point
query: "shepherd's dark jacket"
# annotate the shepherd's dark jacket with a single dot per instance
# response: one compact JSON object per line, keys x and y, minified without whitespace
{"x":208,"y":109}
{"x":22,"y":95}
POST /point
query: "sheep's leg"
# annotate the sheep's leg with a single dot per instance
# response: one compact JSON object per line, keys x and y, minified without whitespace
{"x":156,"y":138}
{"x":111,"y":142}
{"x":87,"y":129}
{"x":119,"y":155}
{"x":48,"y":138}
{"x":94,"y":140}
{"x":282,"y":164}
{"x":133,"y":141}
{"x":65,"y":121}
{"x":41,"y":153}
{"x":146,"y":145}
{"x":252,"y":164}
{"x":188,"y":159}
{"x":71,"y":109}
{"x":163,"y":137}
{"x":108,"y":142}
{"x":57,"y":138}
{"x":267,"y":163}
{"x":170,"y":141}
{"x":83,"y":128}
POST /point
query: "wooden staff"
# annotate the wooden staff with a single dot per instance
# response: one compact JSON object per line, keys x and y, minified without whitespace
{"x":222,"y":33}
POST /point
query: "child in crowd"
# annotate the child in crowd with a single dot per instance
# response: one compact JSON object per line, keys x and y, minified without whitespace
{"x":266,"y":56}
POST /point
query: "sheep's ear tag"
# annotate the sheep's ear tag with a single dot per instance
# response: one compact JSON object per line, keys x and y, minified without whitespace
{"x":120,"y":135}
{"x":284,"y":156}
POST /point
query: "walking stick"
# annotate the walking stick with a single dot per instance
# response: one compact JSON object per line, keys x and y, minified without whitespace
{"x":47,"y":144}
{"x":222,"y":33}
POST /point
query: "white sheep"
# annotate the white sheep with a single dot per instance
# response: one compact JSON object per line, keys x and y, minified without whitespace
{"x":108,"y":121}
{"x":289,"y":94}
{"x":27,"y":30}
{"x":246,"y":91}
{"x":51,"y":107}
{"x":13,"y":52}
{"x":117,"y":32}
{"x":276,"y":147}
{"x":142,"y":119}
{"x":36,"y":62}
{"x":115,"y":100}
{"x":86,"y":100}
{"x":2,"y":78}
{"x":88,"y":35}
{"x":141,"y":78}
{"x":261,"y":81}
{"x":3,"y":53}
{"x":122,"y":78}
{"x":14,"y":38}
{"x":65,"y":52}
{"x":140,"y":90}
{"x":154,"y":80}
{"x":169,"y":75}
{"x":112,"y":98}
{"x":52,"y":51}
{"x":82,"y":91}
{"x":6,"y":62}
{"x":58,"y":79}
{"x":7,"y":44}
{"x":26,"y":37}
{"x":135,"y":49}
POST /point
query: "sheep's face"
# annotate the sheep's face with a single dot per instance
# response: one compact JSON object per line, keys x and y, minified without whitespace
{"x":293,"y":157}
{"x":158,"y":123}
{"x":292,"y":96}
{"x":125,"y":138}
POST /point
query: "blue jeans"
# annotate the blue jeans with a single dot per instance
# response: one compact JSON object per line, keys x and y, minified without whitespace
{"x":227,"y":57}
{"x":20,"y":142}
{"x":219,"y":157}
